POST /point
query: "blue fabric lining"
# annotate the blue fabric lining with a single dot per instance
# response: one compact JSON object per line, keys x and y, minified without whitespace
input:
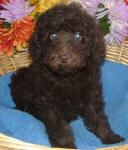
{"x":23,"y":126}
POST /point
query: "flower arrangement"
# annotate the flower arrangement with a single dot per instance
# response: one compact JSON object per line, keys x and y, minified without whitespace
{"x":16,"y":25}
{"x":17,"y":21}
{"x":18,"y":18}
{"x":113,"y":17}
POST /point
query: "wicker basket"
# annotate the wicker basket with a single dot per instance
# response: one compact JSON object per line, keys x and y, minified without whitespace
{"x":22,"y":59}
{"x":9,"y":143}
{"x":118,"y":54}
{"x":11,"y":64}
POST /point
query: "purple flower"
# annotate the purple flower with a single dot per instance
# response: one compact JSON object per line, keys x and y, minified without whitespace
{"x":118,"y":17}
{"x":118,"y":32}
{"x":117,"y":12}
{"x":15,"y":10}
{"x":115,"y":9}
{"x":90,"y":5}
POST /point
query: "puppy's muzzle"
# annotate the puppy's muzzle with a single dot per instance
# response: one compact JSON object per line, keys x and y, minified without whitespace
{"x":64,"y":58}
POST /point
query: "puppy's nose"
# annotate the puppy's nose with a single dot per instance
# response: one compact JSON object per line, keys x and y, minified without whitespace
{"x":64,"y":58}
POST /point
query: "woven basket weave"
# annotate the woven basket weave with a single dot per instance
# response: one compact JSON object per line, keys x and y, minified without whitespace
{"x":11,"y":64}
{"x":118,"y":54}
{"x":22,"y":59}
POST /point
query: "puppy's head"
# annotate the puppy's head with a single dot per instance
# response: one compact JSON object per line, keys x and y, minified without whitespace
{"x":64,"y":39}
{"x":65,"y":54}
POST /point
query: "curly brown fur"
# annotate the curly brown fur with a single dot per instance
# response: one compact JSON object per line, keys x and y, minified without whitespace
{"x":67,"y":49}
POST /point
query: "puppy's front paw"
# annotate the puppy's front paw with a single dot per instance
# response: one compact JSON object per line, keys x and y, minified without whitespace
{"x":112,"y":139}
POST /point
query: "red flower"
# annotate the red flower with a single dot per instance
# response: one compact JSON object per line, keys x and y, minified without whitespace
{"x":126,"y":1}
{"x":17,"y":35}
{"x":2,"y":1}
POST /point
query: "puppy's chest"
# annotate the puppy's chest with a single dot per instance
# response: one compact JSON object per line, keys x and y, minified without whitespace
{"x":62,"y":92}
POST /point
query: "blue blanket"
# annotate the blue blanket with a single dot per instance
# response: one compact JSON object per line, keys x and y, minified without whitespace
{"x":25,"y":127}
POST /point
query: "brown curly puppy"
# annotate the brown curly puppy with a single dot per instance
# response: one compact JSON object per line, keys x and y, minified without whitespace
{"x":67,"y":49}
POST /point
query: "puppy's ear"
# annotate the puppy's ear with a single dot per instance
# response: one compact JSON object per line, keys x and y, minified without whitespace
{"x":93,"y":38}
{"x":34,"y":47}
{"x":97,"y":49}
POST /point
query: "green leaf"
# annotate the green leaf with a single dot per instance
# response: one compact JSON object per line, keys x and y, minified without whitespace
{"x":6,"y":25}
{"x":101,"y":5}
{"x":14,"y":50}
{"x":36,"y":16}
{"x":105,"y":25}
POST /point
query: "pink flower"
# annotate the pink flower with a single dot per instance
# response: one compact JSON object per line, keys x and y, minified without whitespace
{"x":14,"y":10}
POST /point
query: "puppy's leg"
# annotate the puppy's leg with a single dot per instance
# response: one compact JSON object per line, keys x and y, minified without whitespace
{"x":96,"y":120}
{"x":59,"y":132}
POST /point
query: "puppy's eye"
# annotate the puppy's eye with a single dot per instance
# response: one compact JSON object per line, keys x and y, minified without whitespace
{"x":53,"y":35}
{"x":77,"y":35}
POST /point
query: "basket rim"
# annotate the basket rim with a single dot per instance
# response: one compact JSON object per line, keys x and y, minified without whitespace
{"x":10,"y":143}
